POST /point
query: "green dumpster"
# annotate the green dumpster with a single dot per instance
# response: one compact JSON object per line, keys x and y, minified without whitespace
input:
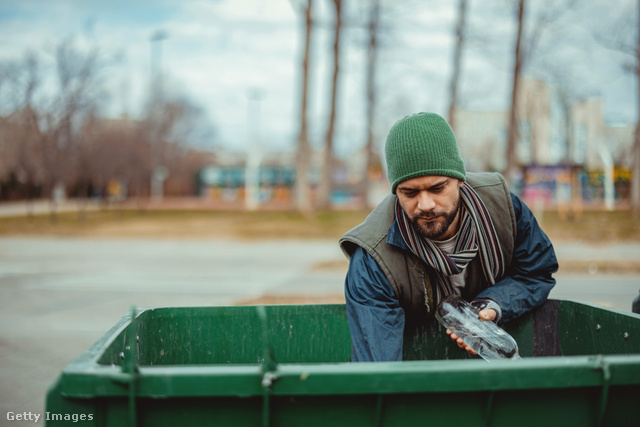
{"x":289,"y":366}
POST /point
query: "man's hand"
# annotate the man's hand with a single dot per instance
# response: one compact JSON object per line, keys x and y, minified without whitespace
{"x":486,"y":314}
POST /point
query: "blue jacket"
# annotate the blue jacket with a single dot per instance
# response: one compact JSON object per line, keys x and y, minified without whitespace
{"x":377,"y":321}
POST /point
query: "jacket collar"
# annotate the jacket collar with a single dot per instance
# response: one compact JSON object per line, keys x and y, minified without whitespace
{"x":394,"y":237}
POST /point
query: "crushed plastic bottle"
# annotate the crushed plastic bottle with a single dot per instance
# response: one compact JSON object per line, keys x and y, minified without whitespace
{"x":484,"y":337}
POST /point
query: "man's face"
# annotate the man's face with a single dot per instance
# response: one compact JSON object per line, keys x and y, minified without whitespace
{"x":432,"y":203}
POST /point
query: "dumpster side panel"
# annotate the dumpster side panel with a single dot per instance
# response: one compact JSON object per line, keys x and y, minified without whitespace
{"x":545,"y":330}
{"x":62,"y":411}
{"x":309,"y":334}
{"x":209,"y":373}
{"x":233,"y":335}
{"x":185,"y":412}
{"x":506,"y":408}
{"x":550,"y":407}
{"x":323,"y":411}
{"x":420,"y":409}
{"x":483,"y":408}
{"x":199,"y":336}
{"x":535,"y":408}
{"x":397,"y":410}
{"x":622,"y":406}
{"x":588,"y":329}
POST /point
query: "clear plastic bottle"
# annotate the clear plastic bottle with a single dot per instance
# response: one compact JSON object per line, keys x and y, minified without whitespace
{"x":484,"y":337}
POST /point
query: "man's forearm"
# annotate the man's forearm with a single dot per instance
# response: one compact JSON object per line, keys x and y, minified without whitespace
{"x":518,"y":295}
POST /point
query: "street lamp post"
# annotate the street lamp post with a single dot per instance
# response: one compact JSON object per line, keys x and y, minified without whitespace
{"x":609,"y":188}
{"x":254,"y":156}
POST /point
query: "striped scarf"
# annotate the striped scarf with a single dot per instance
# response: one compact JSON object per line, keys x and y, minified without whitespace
{"x":476,"y":236}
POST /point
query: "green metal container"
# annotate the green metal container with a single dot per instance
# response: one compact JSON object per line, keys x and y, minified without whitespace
{"x":289,"y":366}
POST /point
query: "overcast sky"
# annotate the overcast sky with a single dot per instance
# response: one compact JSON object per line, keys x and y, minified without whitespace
{"x":218,"y":52}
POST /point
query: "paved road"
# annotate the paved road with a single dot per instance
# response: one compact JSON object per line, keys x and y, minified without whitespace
{"x":58,"y":296}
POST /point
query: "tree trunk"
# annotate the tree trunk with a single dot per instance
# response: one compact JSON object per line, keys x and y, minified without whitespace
{"x":455,"y":77}
{"x":324,"y":192}
{"x":371,"y":92}
{"x":635,"y":176}
{"x":512,"y":137}
{"x":303,"y":161}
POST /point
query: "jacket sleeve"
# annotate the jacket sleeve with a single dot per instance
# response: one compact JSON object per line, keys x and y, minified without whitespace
{"x":528,"y":280}
{"x":376,"y":320}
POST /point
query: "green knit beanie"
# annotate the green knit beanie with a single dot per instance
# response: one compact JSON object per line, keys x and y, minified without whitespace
{"x":419,"y":145}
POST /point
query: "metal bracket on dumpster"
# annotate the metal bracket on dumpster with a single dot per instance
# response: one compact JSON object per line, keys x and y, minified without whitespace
{"x":269,"y":366}
{"x":130,"y":369}
{"x":603,"y":365}
{"x":488,"y":410}
{"x":377,"y":415}
{"x":269,"y":363}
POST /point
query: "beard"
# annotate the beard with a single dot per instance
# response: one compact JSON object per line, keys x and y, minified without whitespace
{"x":436,"y":229}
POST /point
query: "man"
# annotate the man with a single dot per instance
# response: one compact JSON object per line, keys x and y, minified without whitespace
{"x":441,"y":231}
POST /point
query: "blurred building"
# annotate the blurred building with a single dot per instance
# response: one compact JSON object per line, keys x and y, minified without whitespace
{"x":542,"y":128}
{"x":225,"y":180}
{"x":482,"y":135}
{"x":562,"y":156}
{"x":482,"y":138}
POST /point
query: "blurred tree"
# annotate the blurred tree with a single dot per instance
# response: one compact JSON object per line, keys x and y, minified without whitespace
{"x":635,"y":183}
{"x":161,"y":141}
{"x":66,"y":158}
{"x":52,"y":132}
{"x":528,"y":35}
{"x":172,"y":126}
{"x":45,"y":130}
{"x":567,"y":98}
{"x":372,"y":56}
{"x":20,"y":136}
{"x":567,"y":94}
{"x":457,"y":56}
{"x":622,"y":34}
{"x":512,"y":132}
{"x":303,"y":159}
{"x":326,"y":180}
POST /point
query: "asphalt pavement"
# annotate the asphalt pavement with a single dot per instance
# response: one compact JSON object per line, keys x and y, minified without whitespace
{"x":59,"y":296}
